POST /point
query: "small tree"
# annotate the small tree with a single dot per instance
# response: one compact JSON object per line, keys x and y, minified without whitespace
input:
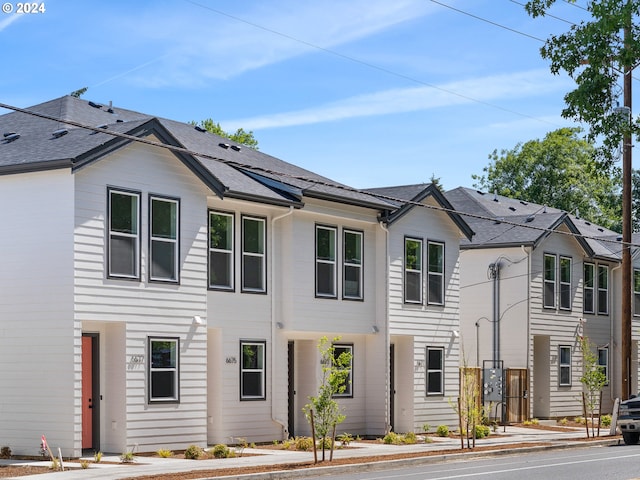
{"x":593,"y":378}
{"x":335,"y":376}
{"x":469,"y":406}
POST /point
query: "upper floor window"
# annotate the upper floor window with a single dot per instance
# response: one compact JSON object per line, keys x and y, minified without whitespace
{"x":588,"y":294}
{"x":412,"y":270}
{"x":253,"y":255}
{"x":343,"y":359}
{"x":565,"y":283}
{"x":326,"y":261}
{"x":221,"y":261}
{"x":164,"y":218}
{"x":352,"y":250}
{"x":564,"y":365}
{"x":549,"y":295}
{"x":435,"y":271}
{"x":603,"y":289}
{"x":163,"y":370}
{"x":124,"y":234}
{"x":636,"y":292}
{"x":252,"y":371}
{"x":435,"y":371}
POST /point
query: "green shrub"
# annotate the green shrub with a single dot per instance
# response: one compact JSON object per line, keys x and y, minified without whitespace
{"x":97,"y":457}
{"x":563,"y":421}
{"x":426,"y":427}
{"x":409,"y":438}
{"x":220,"y":451}
{"x":325,"y":442}
{"x":127,"y":457}
{"x":392,"y":438}
{"x":84,"y":464}
{"x":288,"y":444}
{"x":605,"y":420}
{"x":345,"y":439}
{"x":442,"y":431}
{"x":163,"y":453}
{"x":5,"y":452}
{"x":304,"y":444}
{"x":482,"y":431}
{"x":193,"y":452}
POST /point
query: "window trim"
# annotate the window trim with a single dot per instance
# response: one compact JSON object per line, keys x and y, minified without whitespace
{"x":431,"y":274}
{"x":604,"y":268}
{"x":562,"y":366}
{"x":150,"y":370}
{"x":263,"y":371}
{"x":420,"y":272}
{"x":604,"y":366}
{"x":262,"y":255}
{"x":333,"y":262}
{"x":428,"y":370}
{"x":562,"y":285}
{"x":231,"y":253}
{"x":109,"y":255}
{"x":636,"y":293}
{"x":591,"y":288}
{"x":546,"y":281}
{"x":348,"y":391}
{"x":151,"y":239}
{"x":345,"y":264}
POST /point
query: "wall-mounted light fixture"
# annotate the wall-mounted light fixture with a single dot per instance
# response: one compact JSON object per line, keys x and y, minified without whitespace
{"x":197,"y":319}
{"x":375,"y":329}
{"x":455,"y":333}
{"x":279,"y":325}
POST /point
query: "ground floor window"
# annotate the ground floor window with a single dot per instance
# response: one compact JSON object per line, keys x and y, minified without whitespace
{"x":252,"y":370}
{"x":435,"y":371}
{"x":343,"y":357}
{"x":565,"y":365}
{"x":163,"y":369}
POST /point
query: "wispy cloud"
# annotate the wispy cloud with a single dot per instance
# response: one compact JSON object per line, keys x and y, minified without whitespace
{"x":478,"y":90}
{"x":8,"y":20}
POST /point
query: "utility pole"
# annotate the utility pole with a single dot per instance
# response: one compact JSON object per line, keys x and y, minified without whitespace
{"x":625,"y":330}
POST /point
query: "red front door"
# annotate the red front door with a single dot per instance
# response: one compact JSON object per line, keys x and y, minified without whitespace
{"x":87,"y":391}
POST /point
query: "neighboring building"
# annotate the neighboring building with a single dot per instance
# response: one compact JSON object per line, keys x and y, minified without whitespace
{"x":423,"y":306}
{"x":533,"y":278}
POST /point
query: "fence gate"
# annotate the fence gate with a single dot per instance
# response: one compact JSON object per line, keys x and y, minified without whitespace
{"x":517,"y":395}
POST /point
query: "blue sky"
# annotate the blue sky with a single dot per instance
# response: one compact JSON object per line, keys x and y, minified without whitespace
{"x":369,"y":93}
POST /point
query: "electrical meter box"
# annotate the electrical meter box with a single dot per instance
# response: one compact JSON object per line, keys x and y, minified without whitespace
{"x":492,"y":385}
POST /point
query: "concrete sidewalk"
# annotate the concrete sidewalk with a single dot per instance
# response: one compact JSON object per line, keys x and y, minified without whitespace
{"x":507,"y":437}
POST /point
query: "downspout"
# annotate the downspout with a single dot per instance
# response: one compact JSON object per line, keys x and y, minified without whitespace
{"x":283,"y":424}
{"x":387,"y":334}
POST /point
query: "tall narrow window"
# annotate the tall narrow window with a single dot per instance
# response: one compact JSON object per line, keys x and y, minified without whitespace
{"x":252,"y":371}
{"x":603,"y":289}
{"x":221,"y":250}
{"x":636,"y":292}
{"x":253,"y":255}
{"x":603,"y":361}
{"x":435,"y":371}
{"x":565,"y":365}
{"x":325,"y":261}
{"x":124,"y":234}
{"x":412,"y":270}
{"x":163,"y":370}
{"x":549,"y":281}
{"x":352,"y":281}
{"x":588,"y":294}
{"x":565,"y":283}
{"x":435,"y":269}
{"x":164,"y":219}
{"x":343,"y":359}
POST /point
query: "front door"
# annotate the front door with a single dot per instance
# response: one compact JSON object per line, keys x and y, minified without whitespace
{"x":89,"y":387}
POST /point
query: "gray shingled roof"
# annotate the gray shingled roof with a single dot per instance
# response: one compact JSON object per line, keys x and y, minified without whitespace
{"x":501,"y":221}
{"x":275,"y":182}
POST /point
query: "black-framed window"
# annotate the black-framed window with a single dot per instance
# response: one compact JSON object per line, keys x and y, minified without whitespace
{"x":435,"y":273}
{"x":588,"y":291}
{"x":340,"y":352}
{"x":326,"y":277}
{"x":163,"y":369}
{"x":221,"y":248}
{"x":352,"y":264}
{"x":549,"y":293}
{"x":124,"y":234}
{"x":254,"y":268}
{"x":565,"y":282}
{"x":636,"y":292}
{"x":564,"y":365}
{"x":164,"y":235}
{"x":435,"y":371}
{"x":412,"y":270}
{"x":252,"y":370}
{"x":603,"y":289}
{"x":603,"y":362}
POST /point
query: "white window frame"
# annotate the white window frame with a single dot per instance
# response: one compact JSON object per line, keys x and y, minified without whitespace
{"x":417,"y":271}
{"x":174,"y":369}
{"x":564,"y":285}
{"x":324,"y":262}
{"x":113,"y":234}
{"x":603,"y":292}
{"x":227,"y":252}
{"x":434,"y":370}
{"x":338,"y":348}
{"x":166,"y":240}
{"x":589,"y":287}
{"x":259,"y":369}
{"x":636,"y":292}
{"x":260,"y":255}
{"x":563,"y":366}
{"x":549,"y":290}
{"x":603,"y":362}
{"x":352,"y":265}
{"x":435,"y":275}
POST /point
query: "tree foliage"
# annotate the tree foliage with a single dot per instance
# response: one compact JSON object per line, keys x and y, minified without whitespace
{"x":560,"y":171}
{"x":78,"y":93}
{"x":240,"y":135}
{"x":595,"y":54}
